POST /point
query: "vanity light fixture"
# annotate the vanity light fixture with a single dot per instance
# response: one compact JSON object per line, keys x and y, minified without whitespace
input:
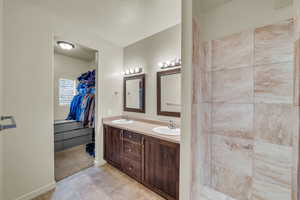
{"x":65,"y":45}
{"x":131,"y":71}
{"x":160,"y":64}
{"x":170,"y":63}
{"x":137,"y":70}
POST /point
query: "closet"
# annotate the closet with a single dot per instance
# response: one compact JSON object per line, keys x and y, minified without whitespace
{"x":78,"y":128}
{"x":74,"y":107}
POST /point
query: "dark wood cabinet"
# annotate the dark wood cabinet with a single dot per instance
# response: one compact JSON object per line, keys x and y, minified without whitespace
{"x":161,"y":171}
{"x":151,"y":161}
{"x":113,"y":146}
{"x":132,"y":153}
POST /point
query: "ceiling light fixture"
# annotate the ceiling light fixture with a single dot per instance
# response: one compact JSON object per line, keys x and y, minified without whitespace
{"x":65,"y":45}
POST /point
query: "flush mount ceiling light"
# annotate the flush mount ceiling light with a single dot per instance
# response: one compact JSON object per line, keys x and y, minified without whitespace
{"x":65,"y":45}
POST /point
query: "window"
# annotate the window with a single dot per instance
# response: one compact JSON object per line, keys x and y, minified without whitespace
{"x":67,"y":90}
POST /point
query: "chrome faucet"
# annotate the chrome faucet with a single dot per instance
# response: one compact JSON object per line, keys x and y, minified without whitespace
{"x":172,"y":124}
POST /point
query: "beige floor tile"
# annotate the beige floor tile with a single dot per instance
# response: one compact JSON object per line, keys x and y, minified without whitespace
{"x":103,"y":183}
{"x":71,"y":161}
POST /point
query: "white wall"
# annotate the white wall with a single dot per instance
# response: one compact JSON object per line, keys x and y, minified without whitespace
{"x":147,"y":53}
{"x":29,"y":31}
{"x":234,"y":17}
{"x":186,"y":96}
{"x":66,"y":67}
{"x":1,"y":97}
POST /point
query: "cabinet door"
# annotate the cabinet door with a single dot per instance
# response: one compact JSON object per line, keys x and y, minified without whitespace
{"x":112,"y":145}
{"x":161,"y":170}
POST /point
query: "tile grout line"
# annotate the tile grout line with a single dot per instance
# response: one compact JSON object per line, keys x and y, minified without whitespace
{"x":254,"y":110}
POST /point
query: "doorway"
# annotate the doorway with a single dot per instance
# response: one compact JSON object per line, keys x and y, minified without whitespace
{"x":75,"y":103}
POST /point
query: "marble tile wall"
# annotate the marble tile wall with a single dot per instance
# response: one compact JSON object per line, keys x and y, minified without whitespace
{"x":276,"y":119}
{"x":201,"y":117}
{"x":232,"y":115}
{"x":245,"y":114}
{"x":296,"y":138}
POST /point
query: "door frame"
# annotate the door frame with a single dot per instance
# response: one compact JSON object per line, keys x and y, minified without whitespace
{"x":98,"y":160}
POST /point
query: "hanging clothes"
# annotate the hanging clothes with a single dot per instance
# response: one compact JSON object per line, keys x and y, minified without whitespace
{"x":89,"y":111}
{"x":82,"y":107}
{"x":74,"y":107}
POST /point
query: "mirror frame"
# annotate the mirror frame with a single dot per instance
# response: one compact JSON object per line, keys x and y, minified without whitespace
{"x":159,"y":75}
{"x":125,"y":108}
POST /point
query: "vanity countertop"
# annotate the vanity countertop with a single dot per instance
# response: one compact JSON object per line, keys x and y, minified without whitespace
{"x":143,"y":127}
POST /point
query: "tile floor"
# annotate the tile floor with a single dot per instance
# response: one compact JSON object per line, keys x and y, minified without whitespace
{"x":71,"y":161}
{"x":103,"y":183}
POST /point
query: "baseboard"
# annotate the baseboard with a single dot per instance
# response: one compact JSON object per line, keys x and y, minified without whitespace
{"x":38,"y":192}
{"x":99,"y":163}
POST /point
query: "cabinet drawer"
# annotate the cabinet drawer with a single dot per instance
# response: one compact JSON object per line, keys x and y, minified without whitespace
{"x":58,"y":137}
{"x":132,"y":150}
{"x":135,"y":137}
{"x":73,"y":134}
{"x":132,"y":168}
{"x":77,"y":141}
{"x":58,"y":146}
{"x":78,"y":133}
{"x":67,"y":126}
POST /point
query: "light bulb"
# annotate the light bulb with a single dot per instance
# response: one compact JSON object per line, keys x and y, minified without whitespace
{"x":131,"y":70}
{"x":168,"y":63}
{"x":65,"y":45}
{"x":136,"y":70}
{"x":127,"y":72}
{"x":161,"y":64}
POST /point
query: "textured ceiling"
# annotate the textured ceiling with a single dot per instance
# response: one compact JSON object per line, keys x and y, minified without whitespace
{"x":122,"y":22}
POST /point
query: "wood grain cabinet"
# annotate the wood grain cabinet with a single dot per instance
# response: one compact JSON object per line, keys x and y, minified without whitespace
{"x":151,"y":161}
{"x":113,"y":146}
{"x":162,"y":167}
{"x":132,"y":153}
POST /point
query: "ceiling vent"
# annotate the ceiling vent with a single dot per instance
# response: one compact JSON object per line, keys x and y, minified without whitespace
{"x":279,"y":4}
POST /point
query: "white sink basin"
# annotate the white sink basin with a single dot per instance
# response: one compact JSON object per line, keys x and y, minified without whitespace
{"x":122,"y":121}
{"x":164,"y":130}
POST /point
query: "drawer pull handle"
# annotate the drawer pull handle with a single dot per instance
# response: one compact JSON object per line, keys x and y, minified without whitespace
{"x":130,"y":136}
{"x":130,"y":168}
{"x":129,"y":150}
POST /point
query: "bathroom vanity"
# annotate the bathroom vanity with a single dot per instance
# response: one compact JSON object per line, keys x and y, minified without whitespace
{"x":150,"y":158}
{"x":146,"y":150}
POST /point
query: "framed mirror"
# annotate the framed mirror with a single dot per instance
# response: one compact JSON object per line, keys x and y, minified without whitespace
{"x":134,"y":93}
{"x":169,"y":93}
